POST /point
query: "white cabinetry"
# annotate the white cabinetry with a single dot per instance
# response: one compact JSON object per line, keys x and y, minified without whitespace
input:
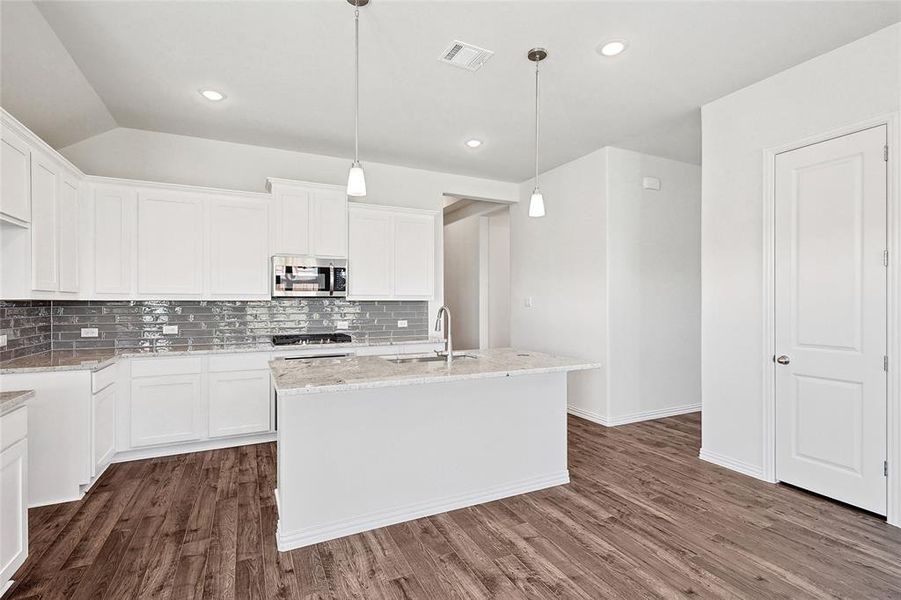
{"x":103,"y":419}
{"x":166,"y":401}
{"x":391,"y":253}
{"x":308,"y":218}
{"x":113,"y":236}
{"x":44,"y":265}
{"x":15,"y":178}
{"x":13,"y":493}
{"x":170,"y":245}
{"x":239,"y":391}
{"x":238,"y":255}
{"x":68,"y":227}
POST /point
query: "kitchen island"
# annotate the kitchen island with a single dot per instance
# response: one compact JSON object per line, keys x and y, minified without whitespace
{"x":365,"y":442}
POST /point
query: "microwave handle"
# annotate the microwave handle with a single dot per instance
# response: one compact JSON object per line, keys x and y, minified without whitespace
{"x":331,"y":279}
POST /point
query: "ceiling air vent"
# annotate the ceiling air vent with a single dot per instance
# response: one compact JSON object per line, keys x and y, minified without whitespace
{"x":466,"y":56}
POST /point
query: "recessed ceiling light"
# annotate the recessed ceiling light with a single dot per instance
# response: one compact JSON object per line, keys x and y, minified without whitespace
{"x":212,"y":95}
{"x":474,"y":143}
{"x":612,"y":48}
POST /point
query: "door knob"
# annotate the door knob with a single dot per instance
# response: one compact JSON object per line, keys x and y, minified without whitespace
{"x":783,"y":360}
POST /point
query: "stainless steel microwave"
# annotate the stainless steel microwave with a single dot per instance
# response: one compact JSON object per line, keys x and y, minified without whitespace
{"x":294,"y":276}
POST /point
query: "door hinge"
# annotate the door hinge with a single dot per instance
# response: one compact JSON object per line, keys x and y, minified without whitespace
{"x":885,"y":258}
{"x":884,"y":362}
{"x":885,"y":468}
{"x":885,"y":153}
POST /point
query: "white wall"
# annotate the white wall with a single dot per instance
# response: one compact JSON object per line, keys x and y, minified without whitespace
{"x":496,"y":259}
{"x":654,"y":286}
{"x":848,"y":85}
{"x":461,"y":280}
{"x":559,"y":262}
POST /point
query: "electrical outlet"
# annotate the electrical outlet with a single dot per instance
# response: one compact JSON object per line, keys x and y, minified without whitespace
{"x":2,"y":341}
{"x":89,"y":332}
{"x":170,"y":329}
{"x":402,"y":323}
{"x":342,"y":325}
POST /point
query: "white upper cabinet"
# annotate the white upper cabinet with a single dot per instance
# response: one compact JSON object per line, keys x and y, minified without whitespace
{"x":15,"y":178}
{"x":113,"y":234}
{"x":238,"y":255}
{"x":308,"y":218}
{"x":170,"y":244}
{"x":370,"y":254}
{"x":391,"y":253}
{"x":68,"y":226}
{"x":44,"y":254}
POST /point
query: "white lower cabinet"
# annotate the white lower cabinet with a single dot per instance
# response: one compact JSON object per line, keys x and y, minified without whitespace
{"x":103,"y":428}
{"x":13,"y":494}
{"x":165,"y":409}
{"x":239,"y":402}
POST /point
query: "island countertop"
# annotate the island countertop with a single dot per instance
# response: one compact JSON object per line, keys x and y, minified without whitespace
{"x":362,"y":372}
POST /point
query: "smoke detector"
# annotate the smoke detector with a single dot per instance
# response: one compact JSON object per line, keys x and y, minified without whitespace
{"x":466,"y":56}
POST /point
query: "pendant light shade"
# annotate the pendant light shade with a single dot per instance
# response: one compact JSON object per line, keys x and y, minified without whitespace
{"x":356,"y":177}
{"x":356,"y":181}
{"x":536,"y":202}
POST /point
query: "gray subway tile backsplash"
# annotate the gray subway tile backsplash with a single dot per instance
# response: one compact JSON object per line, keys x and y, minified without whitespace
{"x":38,"y":326}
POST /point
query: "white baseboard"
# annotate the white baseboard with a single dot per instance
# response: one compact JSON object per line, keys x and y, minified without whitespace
{"x":172,"y":449}
{"x":732,"y":464}
{"x":289,"y":540}
{"x":647,"y":415}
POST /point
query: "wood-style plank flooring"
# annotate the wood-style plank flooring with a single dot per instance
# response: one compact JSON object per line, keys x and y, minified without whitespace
{"x":642,"y":518}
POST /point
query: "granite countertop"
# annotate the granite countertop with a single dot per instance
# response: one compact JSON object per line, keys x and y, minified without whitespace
{"x":94,"y":360}
{"x":10,"y":401}
{"x":361,"y":372}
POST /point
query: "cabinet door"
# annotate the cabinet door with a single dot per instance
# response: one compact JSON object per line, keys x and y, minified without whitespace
{"x":103,"y":429}
{"x":112,"y":239}
{"x":165,"y":409}
{"x":292,"y":221}
{"x":414,"y":256}
{"x":44,"y":252}
{"x":239,"y":402}
{"x":15,"y":177}
{"x":238,"y":234}
{"x":370,"y":254}
{"x":328,"y":229}
{"x":13,"y":509}
{"x":170,"y":244}
{"x":68,"y":222}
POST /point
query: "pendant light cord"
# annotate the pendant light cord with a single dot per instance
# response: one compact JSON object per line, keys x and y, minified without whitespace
{"x":536,"y":121}
{"x":356,"y":84}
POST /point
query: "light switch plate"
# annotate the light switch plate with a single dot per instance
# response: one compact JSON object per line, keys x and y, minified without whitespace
{"x":651,"y":183}
{"x":170,"y":329}
{"x":528,"y":302}
{"x":89,"y":332}
{"x":342,"y":325}
{"x":3,"y":340}
{"x":402,"y":323}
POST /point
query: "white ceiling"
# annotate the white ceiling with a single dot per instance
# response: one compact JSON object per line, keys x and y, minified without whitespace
{"x":287,"y":70}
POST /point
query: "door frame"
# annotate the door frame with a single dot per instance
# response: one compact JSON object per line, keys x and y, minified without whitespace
{"x":893,"y":401}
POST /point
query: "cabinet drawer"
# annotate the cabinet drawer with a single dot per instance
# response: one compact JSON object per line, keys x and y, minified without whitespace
{"x":155,"y":367}
{"x":103,"y":378}
{"x":13,"y":427}
{"x":250,"y":361}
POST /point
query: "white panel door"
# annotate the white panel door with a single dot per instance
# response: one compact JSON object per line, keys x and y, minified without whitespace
{"x":831,"y":318}
{"x":292,"y":222}
{"x":165,"y":409}
{"x":44,"y":252}
{"x":328,"y":227}
{"x":103,"y":429}
{"x":414,"y":256}
{"x":239,"y":402}
{"x":68,"y":223}
{"x":13,"y":509}
{"x":113,"y":232}
{"x":238,"y":234}
{"x":170,"y":244}
{"x":370,"y":253}
{"x":15,"y":177}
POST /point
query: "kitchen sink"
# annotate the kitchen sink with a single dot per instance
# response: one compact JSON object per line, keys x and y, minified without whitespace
{"x":427,"y":359}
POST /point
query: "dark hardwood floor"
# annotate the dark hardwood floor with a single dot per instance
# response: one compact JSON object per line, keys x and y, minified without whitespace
{"x":642,"y":518}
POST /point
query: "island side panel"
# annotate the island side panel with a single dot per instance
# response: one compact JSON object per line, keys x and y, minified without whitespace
{"x":355,"y":460}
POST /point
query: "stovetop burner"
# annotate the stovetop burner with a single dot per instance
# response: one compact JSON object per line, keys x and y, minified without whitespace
{"x":299,"y":339}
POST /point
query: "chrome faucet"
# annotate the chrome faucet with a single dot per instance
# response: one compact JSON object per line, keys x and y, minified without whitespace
{"x":444,"y":311}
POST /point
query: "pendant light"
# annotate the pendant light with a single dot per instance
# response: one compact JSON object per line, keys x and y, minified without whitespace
{"x":356,"y":178}
{"x":536,"y":202}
